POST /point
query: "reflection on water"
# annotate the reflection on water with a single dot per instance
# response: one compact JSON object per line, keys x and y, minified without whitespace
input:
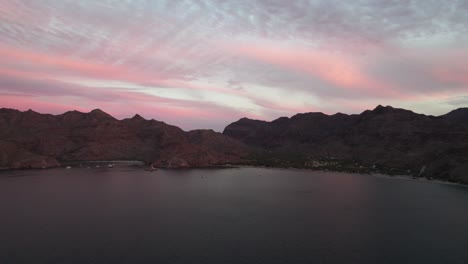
{"x":238,"y":215}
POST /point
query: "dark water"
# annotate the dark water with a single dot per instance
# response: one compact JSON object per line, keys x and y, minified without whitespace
{"x":244,"y":215}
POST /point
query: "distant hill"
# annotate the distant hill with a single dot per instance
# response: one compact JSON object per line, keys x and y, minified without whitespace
{"x":385,"y":139}
{"x":32,"y":140}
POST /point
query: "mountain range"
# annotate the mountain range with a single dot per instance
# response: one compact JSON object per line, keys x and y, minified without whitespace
{"x":32,"y":140}
{"x":386,"y":140}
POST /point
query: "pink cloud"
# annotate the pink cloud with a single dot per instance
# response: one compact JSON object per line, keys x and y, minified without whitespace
{"x":206,"y":51}
{"x":44,"y":95}
{"x":451,"y":68}
{"x":335,"y":69}
{"x":282,"y":107}
{"x":457,"y":76}
{"x":172,"y":114}
{"x":39,"y":62}
{"x":22,"y":102}
{"x":41,"y":65}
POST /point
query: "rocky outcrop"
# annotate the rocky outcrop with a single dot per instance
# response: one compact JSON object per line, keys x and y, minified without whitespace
{"x":36,"y":140}
{"x":385,"y":138}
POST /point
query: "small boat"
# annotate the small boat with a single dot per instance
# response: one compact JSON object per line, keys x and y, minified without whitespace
{"x":151,"y":168}
{"x":110,"y":166}
{"x":68,"y":167}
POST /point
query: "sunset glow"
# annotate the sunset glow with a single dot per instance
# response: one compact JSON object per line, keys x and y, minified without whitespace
{"x":204,"y":64}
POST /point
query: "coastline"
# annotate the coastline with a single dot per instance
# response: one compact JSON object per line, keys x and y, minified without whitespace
{"x":419,"y":179}
{"x":373,"y":174}
{"x":83,"y":164}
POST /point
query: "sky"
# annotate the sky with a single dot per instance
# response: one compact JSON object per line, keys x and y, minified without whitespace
{"x":207,"y":63}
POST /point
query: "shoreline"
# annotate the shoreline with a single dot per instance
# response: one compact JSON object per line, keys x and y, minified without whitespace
{"x":234,"y":166}
{"x":419,"y":179}
{"x":377,"y":174}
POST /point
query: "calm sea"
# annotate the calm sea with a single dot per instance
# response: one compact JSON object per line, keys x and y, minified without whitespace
{"x":239,"y":215}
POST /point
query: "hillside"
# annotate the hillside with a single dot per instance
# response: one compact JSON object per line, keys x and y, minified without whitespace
{"x":33,"y":140}
{"x":385,"y":139}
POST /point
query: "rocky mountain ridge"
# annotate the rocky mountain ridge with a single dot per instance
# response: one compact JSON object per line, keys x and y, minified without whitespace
{"x":32,"y":140}
{"x":385,"y":139}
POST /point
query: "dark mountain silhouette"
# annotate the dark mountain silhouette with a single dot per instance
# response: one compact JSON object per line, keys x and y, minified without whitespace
{"x":32,"y":140}
{"x":459,"y":116}
{"x":385,"y":139}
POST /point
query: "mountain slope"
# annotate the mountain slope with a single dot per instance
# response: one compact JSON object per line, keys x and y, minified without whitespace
{"x":386,"y":138}
{"x":459,"y":116}
{"x":34,"y":140}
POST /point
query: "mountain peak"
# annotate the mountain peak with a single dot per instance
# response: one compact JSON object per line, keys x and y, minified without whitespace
{"x":30,"y":112}
{"x":381,"y":107}
{"x":460,"y":110}
{"x":98,"y":113}
{"x":137,"y":117}
{"x":339,"y":114}
{"x":248,"y":120}
{"x":459,"y":116}
{"x":379,"y":110}
{"x":308,"y":115}
{"x":282,"y":119}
